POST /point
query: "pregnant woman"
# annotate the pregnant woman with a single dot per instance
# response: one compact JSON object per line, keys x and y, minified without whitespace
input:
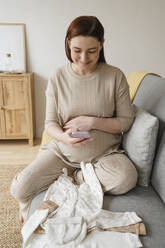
{"x":85,"y":95}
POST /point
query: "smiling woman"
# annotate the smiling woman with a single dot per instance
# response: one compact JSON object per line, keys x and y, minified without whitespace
{"x":86,"y":26}
{"x":86,"y":95}
{"x":85,"y":53}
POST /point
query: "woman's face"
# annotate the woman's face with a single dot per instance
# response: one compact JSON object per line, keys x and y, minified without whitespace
{"x":85,"y":51}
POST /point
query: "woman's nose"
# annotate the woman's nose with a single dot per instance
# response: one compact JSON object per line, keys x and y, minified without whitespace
{"x":84,"y":57}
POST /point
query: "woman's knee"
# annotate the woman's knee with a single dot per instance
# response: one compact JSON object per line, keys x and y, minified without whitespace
{"x":23,"y":184}
{"x":116,"y":173}
{"x":17,"y":188}
{"x":127,"y":181}
{"x":38,"y":175}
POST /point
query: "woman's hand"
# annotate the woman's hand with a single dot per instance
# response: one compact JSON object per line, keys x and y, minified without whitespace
{"x":74,"y":142}
{"x":80,"y":123}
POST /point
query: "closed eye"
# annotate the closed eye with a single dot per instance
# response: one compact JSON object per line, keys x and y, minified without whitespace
{"x":92,"y":51}
{"x":89,"y":51}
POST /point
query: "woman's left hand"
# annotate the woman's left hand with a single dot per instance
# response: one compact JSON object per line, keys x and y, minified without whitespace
{"x":80,"y":123}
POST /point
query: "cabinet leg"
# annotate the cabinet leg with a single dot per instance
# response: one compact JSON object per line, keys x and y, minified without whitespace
{"x":31,"y":142}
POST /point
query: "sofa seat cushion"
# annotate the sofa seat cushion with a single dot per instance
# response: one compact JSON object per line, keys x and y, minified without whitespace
{"x":147,"y":204}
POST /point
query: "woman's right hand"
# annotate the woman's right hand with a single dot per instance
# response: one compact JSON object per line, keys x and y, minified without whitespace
{"x":66,"y":138}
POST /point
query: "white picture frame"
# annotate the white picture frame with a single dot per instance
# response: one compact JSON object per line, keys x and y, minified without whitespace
{"x":12,"y":48}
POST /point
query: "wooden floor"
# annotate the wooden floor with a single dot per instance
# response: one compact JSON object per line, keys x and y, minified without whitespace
{"x":18,"y":151}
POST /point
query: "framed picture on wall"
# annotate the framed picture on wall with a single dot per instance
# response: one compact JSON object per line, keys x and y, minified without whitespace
{"x":12,"y":48}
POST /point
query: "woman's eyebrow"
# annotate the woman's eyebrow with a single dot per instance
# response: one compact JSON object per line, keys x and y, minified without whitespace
{"x":91,"y":48}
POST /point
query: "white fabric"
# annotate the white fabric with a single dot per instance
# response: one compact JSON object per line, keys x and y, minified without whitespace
{"x":80,"y":208}
{"x":107,"y":239}
{"x":39,"y":217}
{"x":65,"y":232}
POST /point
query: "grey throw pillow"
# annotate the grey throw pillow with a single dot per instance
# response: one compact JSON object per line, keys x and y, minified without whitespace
{"x":140,"y":142}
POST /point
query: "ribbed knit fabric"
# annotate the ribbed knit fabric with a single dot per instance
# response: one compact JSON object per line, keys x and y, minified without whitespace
{"x":103,"y":93}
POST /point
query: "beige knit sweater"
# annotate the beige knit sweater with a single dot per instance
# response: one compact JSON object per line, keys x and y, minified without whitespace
{"x":104,"y":93}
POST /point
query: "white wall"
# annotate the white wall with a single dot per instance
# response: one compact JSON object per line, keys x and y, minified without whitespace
{"x":134,"y":35}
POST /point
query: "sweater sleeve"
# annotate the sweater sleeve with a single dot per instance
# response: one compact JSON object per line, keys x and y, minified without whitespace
{"x":51,"y":117}
{"x":124,"y":108}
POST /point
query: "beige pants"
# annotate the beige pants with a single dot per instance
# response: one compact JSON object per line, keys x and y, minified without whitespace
{"x":116,"y":174}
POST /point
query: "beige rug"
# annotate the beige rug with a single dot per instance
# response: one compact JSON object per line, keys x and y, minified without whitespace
{"x":10,"y":236}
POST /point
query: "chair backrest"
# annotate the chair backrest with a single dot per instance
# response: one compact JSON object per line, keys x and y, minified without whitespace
{"x":151,"y":97}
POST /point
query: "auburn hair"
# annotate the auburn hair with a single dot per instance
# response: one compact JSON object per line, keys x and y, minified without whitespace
{"x":85,"y":26}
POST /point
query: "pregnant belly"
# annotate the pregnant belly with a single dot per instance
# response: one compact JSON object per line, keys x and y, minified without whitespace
{"x":102,"y":141}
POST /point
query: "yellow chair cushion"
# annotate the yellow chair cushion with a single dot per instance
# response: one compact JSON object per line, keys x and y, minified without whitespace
{"x":45,"y":139}
{"x":134,"y":80}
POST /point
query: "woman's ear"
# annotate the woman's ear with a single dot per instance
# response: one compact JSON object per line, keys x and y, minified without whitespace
{"x":101,"y":44}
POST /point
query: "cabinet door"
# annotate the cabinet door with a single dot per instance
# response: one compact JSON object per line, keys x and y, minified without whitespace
{"x":14,"y":106}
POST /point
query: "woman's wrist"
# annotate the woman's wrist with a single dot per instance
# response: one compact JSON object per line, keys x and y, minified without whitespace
{"x":111,"y":125}
{"x":55,"y":132}
{"x":95,"y":122}
{"x":62,"y":138}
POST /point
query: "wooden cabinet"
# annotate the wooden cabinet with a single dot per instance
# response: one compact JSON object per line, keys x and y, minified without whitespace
{"x":16,"y":106}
